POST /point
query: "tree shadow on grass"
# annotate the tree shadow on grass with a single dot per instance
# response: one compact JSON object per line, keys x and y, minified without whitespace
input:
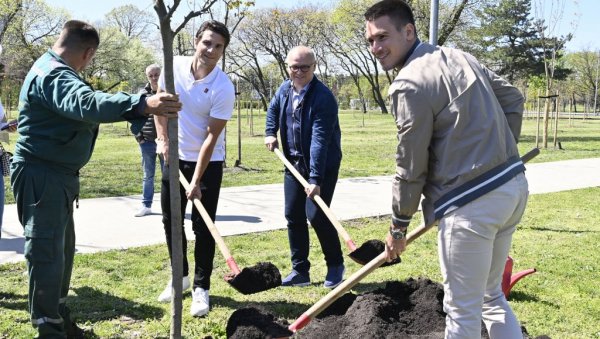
{"x":559,"y":230}
{"x":94,"y":305}
{"x":12,"y":301}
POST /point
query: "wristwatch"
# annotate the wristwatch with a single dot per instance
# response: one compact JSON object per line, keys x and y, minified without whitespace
{"x":397,"y":234}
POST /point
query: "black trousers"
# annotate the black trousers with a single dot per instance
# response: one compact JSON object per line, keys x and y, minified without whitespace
{"x":204,"y":246}
{"x":299,"y":208}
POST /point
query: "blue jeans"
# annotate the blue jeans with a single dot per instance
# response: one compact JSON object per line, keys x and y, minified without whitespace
{"x":299,"y":208}
{"x":148,"y":149}
{"x":1,"y":200}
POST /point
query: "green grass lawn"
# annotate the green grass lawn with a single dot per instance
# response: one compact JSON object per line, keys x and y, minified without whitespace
{"x":114,"y":292}
{"x":368,"y":146}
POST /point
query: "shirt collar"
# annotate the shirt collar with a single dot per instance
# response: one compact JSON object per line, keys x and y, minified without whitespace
{"x":302,"y":91}
{"x":411,"y":51}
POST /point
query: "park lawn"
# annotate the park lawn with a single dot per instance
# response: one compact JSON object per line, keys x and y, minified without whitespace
{"x":114,"y":292}
{"x":368,"y":144}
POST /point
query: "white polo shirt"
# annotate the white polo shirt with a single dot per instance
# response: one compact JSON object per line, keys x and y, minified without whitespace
{"x":213,"y":96}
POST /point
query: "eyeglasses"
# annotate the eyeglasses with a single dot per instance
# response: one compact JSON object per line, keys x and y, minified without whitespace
{"x":303,"y":68}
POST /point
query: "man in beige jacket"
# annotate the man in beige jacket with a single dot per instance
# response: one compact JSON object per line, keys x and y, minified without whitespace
{"x":458,"y":123}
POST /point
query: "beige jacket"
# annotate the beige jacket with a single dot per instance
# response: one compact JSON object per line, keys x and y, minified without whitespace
{"x":458,"y":123}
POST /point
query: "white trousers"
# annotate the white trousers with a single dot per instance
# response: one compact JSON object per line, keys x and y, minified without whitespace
{"x":473,"y":245}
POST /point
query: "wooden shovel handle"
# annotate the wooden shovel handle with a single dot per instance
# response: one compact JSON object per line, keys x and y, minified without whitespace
{"x":212,"y":228}
{"x":346,"y":285}
{"x":328,"y":212}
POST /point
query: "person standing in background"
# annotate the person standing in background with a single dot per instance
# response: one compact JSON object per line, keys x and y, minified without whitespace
{"x":6,"y":128}
{"x":146,"y":139}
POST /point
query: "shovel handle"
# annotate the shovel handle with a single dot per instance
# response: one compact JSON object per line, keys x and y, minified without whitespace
{"x":328,"y":212}
{"x":212,"y":228}
{"x":346,"y":285}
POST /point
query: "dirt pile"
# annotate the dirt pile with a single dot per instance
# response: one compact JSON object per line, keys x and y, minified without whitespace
{"x":255,"y":323}
{"x":410,"y":309}
{"x":402,"y":310}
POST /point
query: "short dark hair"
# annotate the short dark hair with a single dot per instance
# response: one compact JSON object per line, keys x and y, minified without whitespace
{"x":215,"y":26}
{"x":398,"y":10}
{"x":78,"y":34}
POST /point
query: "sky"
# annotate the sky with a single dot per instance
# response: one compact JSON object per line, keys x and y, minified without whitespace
{"x":578,"y":15}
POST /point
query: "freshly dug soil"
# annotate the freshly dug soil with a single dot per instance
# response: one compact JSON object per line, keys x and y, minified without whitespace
{"x":255,"y":323}
{"x":258,"y":278}
{"x":410,"y":309}
{"x":402,"y":310}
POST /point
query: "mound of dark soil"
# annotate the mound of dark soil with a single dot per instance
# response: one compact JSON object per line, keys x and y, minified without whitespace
{"x":255,"y":323}
{"x":402,"y":310}
{"x":411,"y":309}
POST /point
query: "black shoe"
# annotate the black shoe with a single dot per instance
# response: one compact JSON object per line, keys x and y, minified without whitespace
{"x":75,"y":332}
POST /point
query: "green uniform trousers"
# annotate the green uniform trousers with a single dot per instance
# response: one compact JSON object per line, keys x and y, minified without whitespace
{"x":45,"y":199}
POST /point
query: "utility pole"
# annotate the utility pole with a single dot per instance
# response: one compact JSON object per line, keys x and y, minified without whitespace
{"x":596,"y":87}
{"x":433,"y":22}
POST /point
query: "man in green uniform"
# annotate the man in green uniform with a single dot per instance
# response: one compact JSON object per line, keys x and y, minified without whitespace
{"x":59,"y":114}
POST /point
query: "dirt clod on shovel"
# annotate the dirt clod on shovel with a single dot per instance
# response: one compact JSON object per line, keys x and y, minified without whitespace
{"x":368,"y":251}
{"x":254,"y":323}
{"x":258,"y":278}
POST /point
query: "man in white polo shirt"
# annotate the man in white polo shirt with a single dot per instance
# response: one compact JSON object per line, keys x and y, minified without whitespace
{"x":208,"y":96}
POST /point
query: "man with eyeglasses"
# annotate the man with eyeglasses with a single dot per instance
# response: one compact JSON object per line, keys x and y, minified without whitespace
{"x":305,"y":113}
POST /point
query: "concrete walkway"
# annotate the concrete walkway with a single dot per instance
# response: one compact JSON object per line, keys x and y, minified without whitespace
{"x":108,"y":223}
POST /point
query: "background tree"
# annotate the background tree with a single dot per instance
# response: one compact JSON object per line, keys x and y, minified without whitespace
{"x":133,"y":23}
{"x":120,"y":62}
{"x":344,"y":37}
{"x":29,"y":32}
{"x":584,"y":66}
{"x":265,"y":38}
{"x":505,"y":39}
{"x":552,"y":49}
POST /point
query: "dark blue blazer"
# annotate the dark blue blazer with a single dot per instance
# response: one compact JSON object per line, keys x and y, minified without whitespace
{"x":319,"y":127}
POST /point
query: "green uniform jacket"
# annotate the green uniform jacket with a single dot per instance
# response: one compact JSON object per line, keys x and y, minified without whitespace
{"x":59,"y":114}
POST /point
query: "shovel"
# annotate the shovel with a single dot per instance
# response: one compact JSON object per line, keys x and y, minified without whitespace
{"x":366,"y":251}
{"x":258,"y":278}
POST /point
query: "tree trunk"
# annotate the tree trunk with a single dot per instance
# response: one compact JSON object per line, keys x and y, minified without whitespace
{"x":546,"y":118}
{"x":172,"y":168}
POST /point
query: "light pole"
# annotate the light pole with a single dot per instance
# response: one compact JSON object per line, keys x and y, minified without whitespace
{"x":433,"y":22}
{"x":596,"y":87}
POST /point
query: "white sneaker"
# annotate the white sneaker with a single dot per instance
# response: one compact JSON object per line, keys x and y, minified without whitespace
{"x":144,"y":211}
{"x":165,"y":296}
{"x":200,"y":303}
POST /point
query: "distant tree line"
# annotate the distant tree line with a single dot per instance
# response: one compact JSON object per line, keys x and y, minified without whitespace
{"x":503,"y":34}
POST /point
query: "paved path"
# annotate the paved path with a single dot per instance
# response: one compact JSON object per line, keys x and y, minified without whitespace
{"x":108,"y":223}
